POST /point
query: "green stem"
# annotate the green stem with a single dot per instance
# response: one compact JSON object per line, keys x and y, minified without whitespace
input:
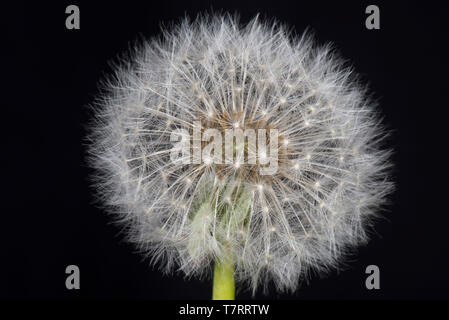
{"x":224,"y":286}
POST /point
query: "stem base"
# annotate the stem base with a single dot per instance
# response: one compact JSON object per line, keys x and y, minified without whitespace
{"x":224,"y":285}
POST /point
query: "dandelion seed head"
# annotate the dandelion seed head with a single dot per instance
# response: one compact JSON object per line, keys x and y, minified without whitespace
{"x":216,"y":73}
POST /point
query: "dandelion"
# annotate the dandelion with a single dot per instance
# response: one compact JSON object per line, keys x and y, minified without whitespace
{"x":200,"y":210}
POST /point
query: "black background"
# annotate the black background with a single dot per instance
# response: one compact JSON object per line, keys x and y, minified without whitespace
{"x":49,"y":221}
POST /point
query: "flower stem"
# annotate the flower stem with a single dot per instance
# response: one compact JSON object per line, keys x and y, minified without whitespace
{"x":224,"y":286}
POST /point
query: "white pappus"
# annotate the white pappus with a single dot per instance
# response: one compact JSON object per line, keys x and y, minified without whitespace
{"x":332,"y":176}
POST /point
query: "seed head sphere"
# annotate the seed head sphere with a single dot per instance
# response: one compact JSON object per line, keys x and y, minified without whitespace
{"x":332,"y":171}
